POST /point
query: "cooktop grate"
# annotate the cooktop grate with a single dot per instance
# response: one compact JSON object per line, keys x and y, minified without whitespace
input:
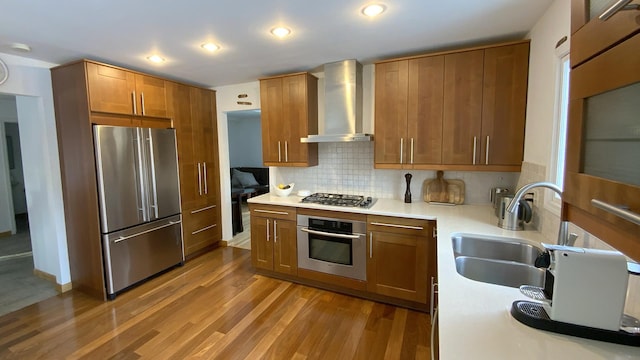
{"x":339,"y":200}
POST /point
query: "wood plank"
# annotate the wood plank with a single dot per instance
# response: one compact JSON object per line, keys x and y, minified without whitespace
{"x":214,"y":307}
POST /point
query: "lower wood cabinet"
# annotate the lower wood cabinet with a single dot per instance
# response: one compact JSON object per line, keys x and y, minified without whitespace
{"x":273,"y":238}
{"x":401,"y":257}
{"x":200,"y":229}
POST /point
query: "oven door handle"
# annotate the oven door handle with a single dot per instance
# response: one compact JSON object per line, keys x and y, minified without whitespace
{"x":343,"y":236}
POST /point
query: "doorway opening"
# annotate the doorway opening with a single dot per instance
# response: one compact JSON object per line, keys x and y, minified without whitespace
{"x":249,"y":177}
{"x":19,"y":286}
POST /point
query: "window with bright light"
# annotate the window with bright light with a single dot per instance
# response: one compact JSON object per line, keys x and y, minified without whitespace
{"x":560,"y":125}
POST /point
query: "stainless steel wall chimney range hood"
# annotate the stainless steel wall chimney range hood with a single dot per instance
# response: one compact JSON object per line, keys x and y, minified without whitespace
{"x":342,"y":104}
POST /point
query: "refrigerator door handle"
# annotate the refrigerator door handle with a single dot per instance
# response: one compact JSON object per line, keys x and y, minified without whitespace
{"x":154,"y":186}
{"x":141,"y":178}
{"x":123,"y":238}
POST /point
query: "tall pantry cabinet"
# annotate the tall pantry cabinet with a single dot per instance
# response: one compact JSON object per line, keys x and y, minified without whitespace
{"x":87,"y":93}
{"x":197,"y":136}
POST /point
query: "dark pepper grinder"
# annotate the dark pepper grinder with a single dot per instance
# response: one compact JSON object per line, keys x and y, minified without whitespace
{"x":407,"y":194}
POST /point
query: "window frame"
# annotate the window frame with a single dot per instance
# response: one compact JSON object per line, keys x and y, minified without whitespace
{"x":552,"y":201}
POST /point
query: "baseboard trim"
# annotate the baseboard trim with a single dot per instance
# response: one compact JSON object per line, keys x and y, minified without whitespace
{"x":224,"y":243}
{"x":5,"y":234}
{"x":61,"y":288}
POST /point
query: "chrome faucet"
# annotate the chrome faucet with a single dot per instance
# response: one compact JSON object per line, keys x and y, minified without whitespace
{"x":564,"y":238}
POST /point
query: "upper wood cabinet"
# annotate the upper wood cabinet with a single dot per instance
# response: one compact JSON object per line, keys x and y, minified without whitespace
{"x":289,"y":105}
{"x":462,"y":108}
{"x":409,"y":112}
{"x":603,"y":144}
{"x":120,"y":91}
{"x":504,"y":104}
{"x":391,"y":113}
{"x":592,"y":35}
{"x":459,"y":110}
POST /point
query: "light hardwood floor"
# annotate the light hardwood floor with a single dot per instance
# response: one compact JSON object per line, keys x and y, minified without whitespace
{"x":243,"y":239}
{"x":215,"y":307}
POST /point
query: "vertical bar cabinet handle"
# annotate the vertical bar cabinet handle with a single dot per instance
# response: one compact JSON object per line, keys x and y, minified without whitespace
{"x":279,"y":153}
{"x":142,"y":102}
{"x":267,"y":230}
{"x":204,"y":167}
{"x":133,"y":100}
{"x":486,"y":155}
{"x":412,"y":151}
{"x":275,"y":231}
{"x":475,"y":142}
{"x":199,"y":180}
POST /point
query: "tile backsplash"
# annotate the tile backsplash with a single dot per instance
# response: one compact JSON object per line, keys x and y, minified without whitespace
{"x":347,"y":168}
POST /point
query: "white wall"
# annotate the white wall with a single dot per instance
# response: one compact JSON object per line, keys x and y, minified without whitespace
{"x":31,"y":81}
{"x":245,"y":139}
{"x":541,"y":97}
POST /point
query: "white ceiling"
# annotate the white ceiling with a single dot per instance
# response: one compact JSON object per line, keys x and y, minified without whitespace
{"x":125,"y":32}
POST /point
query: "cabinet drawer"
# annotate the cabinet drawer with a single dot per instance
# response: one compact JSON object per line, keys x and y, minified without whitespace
{"x":199,"y":219}
{"x":273,"y":212}
{"x":398,"y":225}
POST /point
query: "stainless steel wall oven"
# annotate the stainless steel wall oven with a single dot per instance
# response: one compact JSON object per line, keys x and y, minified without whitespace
{"x":333,"y":246}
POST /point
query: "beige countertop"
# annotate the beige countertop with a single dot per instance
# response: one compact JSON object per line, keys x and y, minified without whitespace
{"x":474,"y":318}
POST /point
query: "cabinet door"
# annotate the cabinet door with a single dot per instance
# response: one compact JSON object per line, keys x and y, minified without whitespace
{"x":603,"y":144}
{"x":592,"y":35}
{"x":398,"y":266}
{"x":285,"y":254}
{"x":424,"y":112}
{"x":261,"y":243}
{"x":205,"y":140}
{"x":151,"y":96}
{"x":180,"y":111}
{"x":111,"y":89}
{"x":271,"y":114}
{"x":391,"y":114}
{"x":504,"y":102}
{"x":462,"y":107}
{"x":401,"y":257}
{"x":294,"y":118}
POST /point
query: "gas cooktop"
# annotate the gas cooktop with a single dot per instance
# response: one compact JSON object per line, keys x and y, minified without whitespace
{"x":339,"y":200}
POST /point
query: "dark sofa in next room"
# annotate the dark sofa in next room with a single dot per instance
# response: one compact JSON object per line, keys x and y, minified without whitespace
{"x":243,"y":179}
{"x":245,"y":183}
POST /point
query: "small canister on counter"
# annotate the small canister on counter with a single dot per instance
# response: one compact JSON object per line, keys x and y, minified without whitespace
{"x":497,"y":193}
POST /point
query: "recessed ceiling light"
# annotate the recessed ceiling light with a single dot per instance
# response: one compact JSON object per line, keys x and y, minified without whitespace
{"x":280,"y":31}
{"x":373,"y":10}
{"x":210,"y":47}
{"x":155,"y":58}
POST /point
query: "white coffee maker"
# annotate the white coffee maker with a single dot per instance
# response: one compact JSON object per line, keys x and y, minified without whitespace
{"x":586,"y":287}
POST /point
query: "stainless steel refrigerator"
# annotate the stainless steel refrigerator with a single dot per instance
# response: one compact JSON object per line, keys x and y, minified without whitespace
{"x":139,"y":196}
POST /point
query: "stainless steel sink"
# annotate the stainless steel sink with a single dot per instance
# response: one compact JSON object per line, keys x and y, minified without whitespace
{"x":507,"y":273}
{"x":497,"y":260}
{"x":494,"y":247}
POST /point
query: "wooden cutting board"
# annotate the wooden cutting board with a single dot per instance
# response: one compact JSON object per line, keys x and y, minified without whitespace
{"x":443,"y":191}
